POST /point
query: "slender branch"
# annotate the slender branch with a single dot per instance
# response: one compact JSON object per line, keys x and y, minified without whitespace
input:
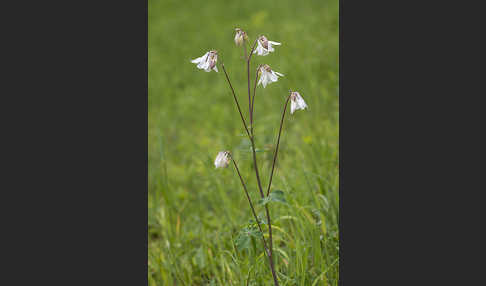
{"x":251,"y":206}
{"x":256,"y":168}
{"x":251,"y":130}
{"x":252,"y":49}
{"x":250,"y":102}
{"x":262,"y":196}
{"x":248,"y":68}
{"x":253,"y":100}
{"x":248,"y":72}
{"x":251,"y":105}
{"x":269,"y":253}
{"x":251,"y":116}
{"x":236,"y":100}
{"x":278,"y":142}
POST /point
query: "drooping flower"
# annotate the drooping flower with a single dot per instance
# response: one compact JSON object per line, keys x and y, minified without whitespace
{"x":296,"y":102}
{"x":264,"y":46}
{"x":240,"y":36}
{"x":267,"y":75}
{"x":207,"y":62}
{"x":222,"y":160}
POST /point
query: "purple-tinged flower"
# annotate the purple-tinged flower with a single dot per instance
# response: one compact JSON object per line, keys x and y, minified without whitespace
{"x":267,"y":75}
{"x":207,"y":62}
{"x":264,"y":46}
{"x":222,"y":160}
{"x":296,"y":102}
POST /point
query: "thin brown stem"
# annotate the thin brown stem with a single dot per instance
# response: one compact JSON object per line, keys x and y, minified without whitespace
{"x":251,"y":116}
{"x":250,"y":136}
{"x":236,"y":100}
{"x":252,"y":49}
{"x":248,"y":70}
{"x":253,"y":101}
{"x":251,"y":130}
{"x":278,"y":142}
{"x":249,"y":99}
{"x":269,"y":253}
{"x":251,"y":206}
{"x":251,"y":104}
{"x":256,"y":168}
{"x":262,"y":196}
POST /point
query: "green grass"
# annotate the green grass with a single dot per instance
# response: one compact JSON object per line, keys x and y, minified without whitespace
{"x":195,"y":210}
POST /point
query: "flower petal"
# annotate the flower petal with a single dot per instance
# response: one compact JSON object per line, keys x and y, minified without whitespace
{"x":200,"y":59}
{"x":272,"y":76}
{"x":292,"y":107}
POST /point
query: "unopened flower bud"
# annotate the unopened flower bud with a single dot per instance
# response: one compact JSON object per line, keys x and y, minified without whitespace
{"x":240,"y":36}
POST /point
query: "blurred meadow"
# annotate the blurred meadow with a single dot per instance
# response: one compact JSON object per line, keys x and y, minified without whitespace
{"x":196,"y":212}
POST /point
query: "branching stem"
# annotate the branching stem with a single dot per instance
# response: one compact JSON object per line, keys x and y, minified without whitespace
{"x":253,"y":101}
{"x":251,"y":206}
{"x":268,"y":248}
{"x":269,"y":254}
{"x":252,"y":139}
{"x":236,"y":100}
{"x":278,"y":142}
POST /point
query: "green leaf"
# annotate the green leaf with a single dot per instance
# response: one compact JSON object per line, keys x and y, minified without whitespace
{"x":264,"y":201}
{"x":243,"y":241}
{"x":275,"y":196}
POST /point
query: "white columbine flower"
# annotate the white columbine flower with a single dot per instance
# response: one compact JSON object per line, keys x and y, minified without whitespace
{"x":207,"y":62}
{"x":267,"y":75}
{"x":240,"y":36}
{"x":297,"y":102}
{"x":264,"y":46}
{"x":222,"y":160}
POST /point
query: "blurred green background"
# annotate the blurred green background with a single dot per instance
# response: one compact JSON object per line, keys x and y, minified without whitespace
{"x":196,"y":211}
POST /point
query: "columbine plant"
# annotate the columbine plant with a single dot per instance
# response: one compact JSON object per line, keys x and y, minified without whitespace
{"x":266,"y":76}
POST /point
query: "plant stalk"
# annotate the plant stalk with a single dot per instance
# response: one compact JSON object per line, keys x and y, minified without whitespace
{"x":251,"y":206}
{"x":278,"y":142}
{"x":236,"y":100}
{"x":268,"y":250}
{"x":250,"y":106}
{"x":269,"y":254}
{"x":249,"y":99}
{"x":253,"y":100}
